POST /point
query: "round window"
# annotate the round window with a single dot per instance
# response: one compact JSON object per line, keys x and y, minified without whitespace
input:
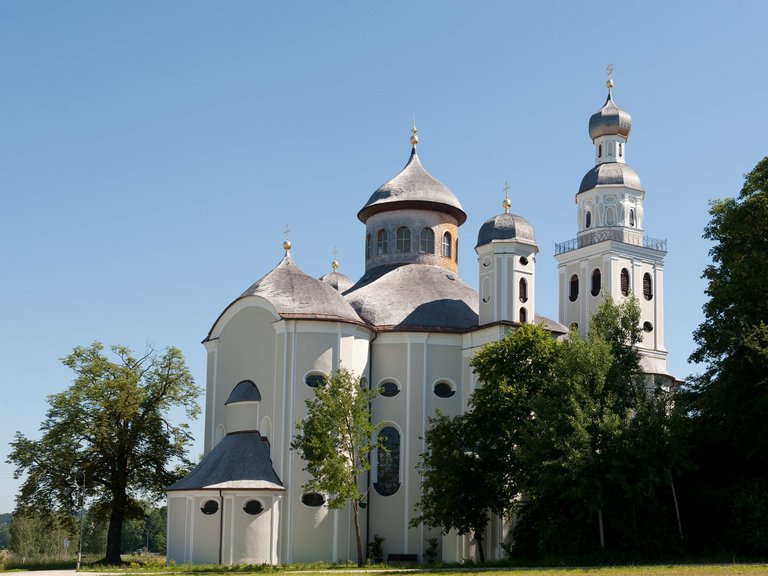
{"x":523,"y":261}
{"x":209,"y":507}
{"x":444,"y":390}
{"x":253,"y":507}
{"x":313,"y":499}
{"x":389,"y":388}
{"x":647,"y":327}
{"x":314,"y":380}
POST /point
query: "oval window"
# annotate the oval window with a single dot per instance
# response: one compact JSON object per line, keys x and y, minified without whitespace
{"x":574,"y":288}
{"x":314,"y":379}
{"x":444,"y":390}
{"x":389,"y":388}
{"x":253,"y":507}
{"x":313,"y":499}
{"x":523,"y":261}
{"x":588,"y":220}
{"x":647,"y":327}
{"x":209,"y":507}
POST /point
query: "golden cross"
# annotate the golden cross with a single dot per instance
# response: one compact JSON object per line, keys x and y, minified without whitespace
{"x":287,"y":230}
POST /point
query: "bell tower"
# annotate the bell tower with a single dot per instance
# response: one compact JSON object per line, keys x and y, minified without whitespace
{"x":611,"y":255}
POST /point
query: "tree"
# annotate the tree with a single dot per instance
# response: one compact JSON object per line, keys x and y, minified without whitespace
{"x":335,"y":441}
{"x":727,"y":403}
{"x":455,"y":486}
{"x":111,"y":430}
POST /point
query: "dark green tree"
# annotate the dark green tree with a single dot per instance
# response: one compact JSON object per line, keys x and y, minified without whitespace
{"x":335,"y":441}
{"x":728,"y":402}
{"x":111,"y":427}
{"x":456,"y":489}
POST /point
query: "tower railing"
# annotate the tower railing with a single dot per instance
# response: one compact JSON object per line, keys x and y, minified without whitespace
{"x":625,"y":236}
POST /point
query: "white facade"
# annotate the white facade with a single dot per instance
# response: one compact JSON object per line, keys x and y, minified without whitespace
{"x":410,"y":326}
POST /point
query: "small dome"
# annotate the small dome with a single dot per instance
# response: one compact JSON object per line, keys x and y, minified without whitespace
{"x":506,"y":226}
{"x":610,"y":120}
{"x":611,"y":174}
{"x":245,"y":391}
{"x":337,"y":280}
{"x":413,"y":187}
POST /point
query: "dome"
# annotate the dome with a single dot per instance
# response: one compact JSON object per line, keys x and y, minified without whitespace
{"x":414,"y":297}
{"x":413,"y":187}
{"x":296,"y":295}
{"x":611,"y":174}
{"x":610,"y":120}
{"x":506,"y":226}
{"x":337,"y":281}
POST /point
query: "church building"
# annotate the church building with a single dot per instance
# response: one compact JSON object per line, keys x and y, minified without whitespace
{"x":409,"y":326}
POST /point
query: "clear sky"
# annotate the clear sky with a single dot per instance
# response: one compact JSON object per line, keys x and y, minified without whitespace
{"x":152,"y":153}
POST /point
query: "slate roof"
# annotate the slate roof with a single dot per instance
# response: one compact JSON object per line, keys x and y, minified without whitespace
{"x":610,"y":120}
{"x":506,"y":226}
{"x":413,"y":187}
{"x":240,"y":461}
{"x":297,"y":295}
{"x":414,"y":296}
{"x":337,"y":281}
{"x":611,"y":174}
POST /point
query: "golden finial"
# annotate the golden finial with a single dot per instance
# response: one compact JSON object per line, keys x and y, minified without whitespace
{"x":286,"y":242}
{"x":414,"y":137}
{"x":335,"y":263}
{"x":506,"y":204}
{"x":609,"y":82}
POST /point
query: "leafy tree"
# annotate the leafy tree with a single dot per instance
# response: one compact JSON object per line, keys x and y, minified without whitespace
{"x":5,"y":530}
{"x":111,"y":429}
{"x":335,"y":441}
{"x":727,"y":403}
{"x":36,"y":537}
{"x":456,"y":489}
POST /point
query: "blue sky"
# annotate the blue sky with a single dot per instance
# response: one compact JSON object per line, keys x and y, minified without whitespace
{"x":152,"y":153}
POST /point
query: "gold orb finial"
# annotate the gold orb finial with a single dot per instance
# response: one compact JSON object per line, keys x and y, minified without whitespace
{"x":506,"y":203}
{"x":286,"y":242}
{"x":414,"y":137}
{"x":334,"y":263}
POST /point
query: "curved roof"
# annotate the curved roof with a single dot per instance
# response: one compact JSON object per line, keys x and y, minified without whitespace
{"x":413,"y":187}
{"x":506,"y":226}
{"x":240,"y":461}
{"x":296,"y":295}
{"x":337,"y":281}
{"x":611,"y":174}
{"x":610,"y":120}
{"x":245,"y":391}
{"x":416,"y":297}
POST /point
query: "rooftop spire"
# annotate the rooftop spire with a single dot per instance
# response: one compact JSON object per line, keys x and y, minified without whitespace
{"x":609,"y":82}
{"x":335,"y":263}
{"x":506,"y":203}
{"x":414,"y":137}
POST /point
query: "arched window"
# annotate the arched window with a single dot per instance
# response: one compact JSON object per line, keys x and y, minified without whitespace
{"x":523,"y":290}
{"x":588,"y":220}
{"x":632,"y":217}
{"x":647,"y":286}
{"x":388,"y":462}
{"x":624,"y":281}
{"x":574,"y":288}
{"x":403,"y":239}
{"x":621,"y":149}
{"x":523,"y":316}
{"x":427,"y":241}
{"x":599,"y":150}
{"x":381,"y":242}
{"x":456,"y":251}
{"x":447,"y":245}
{"x":596,"y":277}
{"x":367,"y":246}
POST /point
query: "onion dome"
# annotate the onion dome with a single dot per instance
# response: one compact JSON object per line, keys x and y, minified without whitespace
{"x":414,"y":297}
{"x":506,"y":226}
{"x":610,"y":120}
{"x":611,"y":174}
{"x":413,"y":187}
{"x":245,"y":391}
{"x":336,"y":279}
